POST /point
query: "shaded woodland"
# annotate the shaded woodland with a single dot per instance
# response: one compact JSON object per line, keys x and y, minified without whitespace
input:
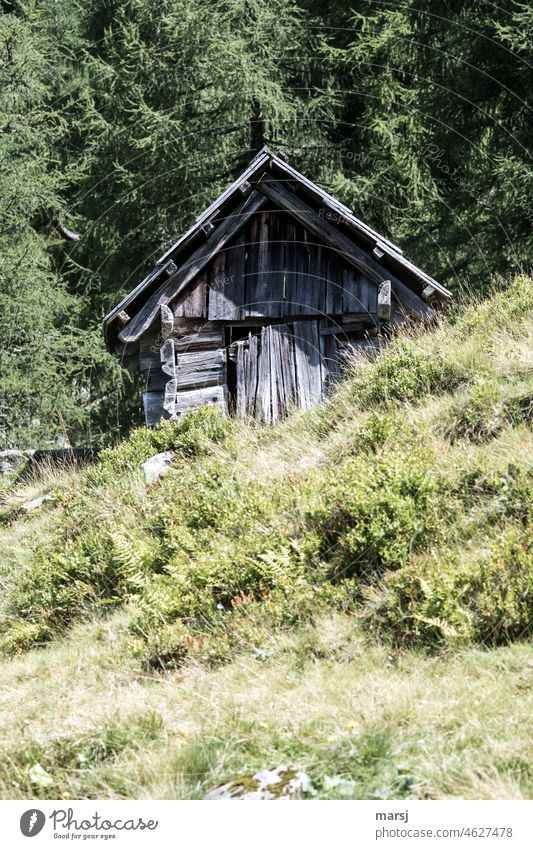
{"x":121,"y":121}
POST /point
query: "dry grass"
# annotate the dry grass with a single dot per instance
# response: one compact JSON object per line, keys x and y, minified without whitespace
{"x":396,"y":725}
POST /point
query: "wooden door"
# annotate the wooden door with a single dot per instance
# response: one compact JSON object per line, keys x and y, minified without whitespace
{"x":279,"y":367}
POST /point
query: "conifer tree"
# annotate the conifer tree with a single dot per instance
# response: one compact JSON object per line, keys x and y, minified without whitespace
{"x":37,"y":314}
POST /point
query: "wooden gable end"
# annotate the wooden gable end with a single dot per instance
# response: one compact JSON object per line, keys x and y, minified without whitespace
{"x":274,"y":267}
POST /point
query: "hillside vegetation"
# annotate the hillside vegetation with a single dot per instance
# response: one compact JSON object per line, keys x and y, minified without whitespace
{"x":350,"y":591}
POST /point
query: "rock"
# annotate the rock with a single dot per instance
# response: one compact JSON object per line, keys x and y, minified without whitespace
{"x":13,"y":459}
{"x":278,"y":783}
{"x":157,"y":466}
{"x":28,"y":506}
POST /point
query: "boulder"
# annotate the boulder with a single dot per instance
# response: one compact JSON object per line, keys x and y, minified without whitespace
{"x":157,"y":466}
{"x":35,"y":503}
{"x":13,"y":459}
{"x":279,"y":783}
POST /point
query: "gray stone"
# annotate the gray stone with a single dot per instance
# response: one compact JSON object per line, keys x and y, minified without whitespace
{"x":35,"y":503}
{"x":279,"y":783}
{"x":157,"y":466}
{"x":12,"y":459}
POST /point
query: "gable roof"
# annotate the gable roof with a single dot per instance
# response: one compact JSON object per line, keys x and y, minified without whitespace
{"x":268,"y":172}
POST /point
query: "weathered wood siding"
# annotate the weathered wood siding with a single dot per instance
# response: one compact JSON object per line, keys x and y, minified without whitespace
{"x":309,"y":309}
{"x":290,"y":365}
{"x":274,"y":267}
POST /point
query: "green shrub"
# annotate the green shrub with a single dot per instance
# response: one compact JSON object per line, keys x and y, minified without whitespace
{"x":452,"y":601}
{"x":515,"y":494}
{"x":496,"y":494}
{"x":501,"y":594}
{"x":193,"y":607}
{"x":404,"y":372}
{"x":380,"y":429}
{"x":479,"y":416}
{"x":91,"y":573}
{"x":374,"y":516}
{"x":194,"y":435}
{"x":485,"y":411}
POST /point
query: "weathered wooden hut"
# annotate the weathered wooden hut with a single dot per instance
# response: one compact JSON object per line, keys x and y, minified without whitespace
{"x":255,"y":308}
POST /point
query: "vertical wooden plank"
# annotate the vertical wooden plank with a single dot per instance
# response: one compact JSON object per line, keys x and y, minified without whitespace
{"x":301,"y":269}
{"x":333,"y":271}
{"x":217,"y":305}
{"x":300,"y":361}
{"x":235,"y":286}
{"x":280,"y":368}
{"x":290,"y":306}
{"x":352,"y":301}
{"x":252,"y":375}
{"x":369,"y":294}
{"x":257,"y":276}
{"x":303,"y":279}
{"x":279,"y":380}
{"x":314,"y":359}
{"x":241,"y":401}
{"x":263,"y":401}
{"x":314,"y":286}
{"x":263,"y":273}
{"x":289,"y":366}
{"x":191,"y":303}
{"x":226,"y":282}
{"x":308,"y":368}
{"x":276,"y":265}
{"x":330,"y":368}
{"x":272,"y":337}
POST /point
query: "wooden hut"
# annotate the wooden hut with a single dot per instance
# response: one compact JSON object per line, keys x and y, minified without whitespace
{"x":255,"y":308}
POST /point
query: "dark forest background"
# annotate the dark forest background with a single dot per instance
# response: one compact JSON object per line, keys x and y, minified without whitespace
{"x":121,"y":121}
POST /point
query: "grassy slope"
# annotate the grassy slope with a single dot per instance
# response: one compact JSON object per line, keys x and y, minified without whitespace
{"x":383,"y":639}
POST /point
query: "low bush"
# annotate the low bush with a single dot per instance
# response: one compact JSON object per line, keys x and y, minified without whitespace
{"x":484,"y":411}
{"x":496,"y":494}
{"x":191,"y":437}
{"x":405,"y":372}
{"x":451,"y":600}
{"x":376,"y":515}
